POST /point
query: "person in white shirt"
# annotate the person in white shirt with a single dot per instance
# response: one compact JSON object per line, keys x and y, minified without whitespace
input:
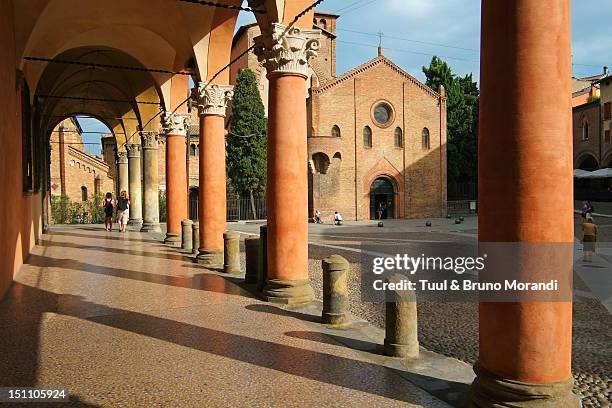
{"x":337,"y":218}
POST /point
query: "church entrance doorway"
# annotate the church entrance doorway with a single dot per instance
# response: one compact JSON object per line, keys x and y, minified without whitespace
{"x":382,"y":197}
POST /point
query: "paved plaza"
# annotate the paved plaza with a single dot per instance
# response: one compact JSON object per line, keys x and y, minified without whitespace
{"x":451,"y":329}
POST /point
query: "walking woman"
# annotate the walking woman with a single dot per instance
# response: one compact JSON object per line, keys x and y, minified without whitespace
{"x":123,"y":210}
{"x":109,"y":209}
{"x":589,"y":238}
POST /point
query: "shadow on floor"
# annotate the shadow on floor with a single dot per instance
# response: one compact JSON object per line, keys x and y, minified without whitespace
{"x":53,"y":232}
{"x":206,"y":282}
{"x":335,"y":340}
{"x":322,"y":367}
{"x":263,"y":308}
{"x":172,"y":256}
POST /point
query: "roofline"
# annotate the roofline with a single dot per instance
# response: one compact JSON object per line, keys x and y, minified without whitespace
{"x":361,"y":68}
{"x":327,"y":13}
{"x":586,"y":105}
{"x":600,"y":80}
{"x":240,"y":32}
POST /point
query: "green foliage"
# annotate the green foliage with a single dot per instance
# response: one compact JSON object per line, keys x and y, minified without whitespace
{"x":60,"y":206}
{"x":95,"y":209}
{"x":593,"y":98}
{"x":463,"y":105}
{"x":63,"y":211}
{"x":162,"y":206}
{"x":246,"y":145}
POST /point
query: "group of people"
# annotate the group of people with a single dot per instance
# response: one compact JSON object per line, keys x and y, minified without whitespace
{"x":589,"y":231}
{"x":317,"y":218}
{"x":121,"y":207}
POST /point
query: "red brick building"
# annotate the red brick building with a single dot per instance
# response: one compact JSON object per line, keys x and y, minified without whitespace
{"x":74,"y":172}
{"x":376,"y":135}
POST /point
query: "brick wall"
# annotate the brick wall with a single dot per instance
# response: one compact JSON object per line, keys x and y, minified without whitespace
{"x":79,"y":169}
{"x":418,"y":176}
{"x":588,"y":113}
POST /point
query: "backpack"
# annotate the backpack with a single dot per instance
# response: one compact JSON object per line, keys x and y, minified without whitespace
{"x":108,"y":208}
{"x":122,"y":204}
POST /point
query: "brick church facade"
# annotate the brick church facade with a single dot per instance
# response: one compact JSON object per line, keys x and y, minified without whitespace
{"x":376,"y":135}
{"x":74,"y":172}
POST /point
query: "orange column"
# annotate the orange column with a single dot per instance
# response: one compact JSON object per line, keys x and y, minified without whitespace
{"x":212,"y":101}
{"x":286,"y":54}
{"x":175,"y":126}
{"x":525,"y":197}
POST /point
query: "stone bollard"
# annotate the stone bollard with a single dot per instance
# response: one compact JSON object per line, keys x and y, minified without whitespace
{"x":401,"y":336}
{"x":231,"y":252}
{"x":335,"y":296}
{"x":186,"y":235}
{"x":262,"y":271}
{"x":251,"y":249}
{"x":195,"y":237}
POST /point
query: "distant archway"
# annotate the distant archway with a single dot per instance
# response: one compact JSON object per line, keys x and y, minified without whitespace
{"x":587,"y":162}
{"x":382,"y":199}
{"x":194,"y":194}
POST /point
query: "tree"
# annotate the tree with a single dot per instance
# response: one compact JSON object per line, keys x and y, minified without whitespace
{"x":247,"y":140}
{"x":463,"y":104}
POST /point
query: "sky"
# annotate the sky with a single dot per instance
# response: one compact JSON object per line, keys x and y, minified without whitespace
{"x":415,"y":30}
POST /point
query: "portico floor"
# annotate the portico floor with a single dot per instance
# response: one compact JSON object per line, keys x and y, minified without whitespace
{"x":122,"y":320}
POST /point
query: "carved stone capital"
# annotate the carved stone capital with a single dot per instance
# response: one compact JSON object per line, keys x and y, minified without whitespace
{"x":287,"y":51}
{"x":149,"y":140}
{"x":122,"y":157}
{"x":133,"y":150}
{"x":175,"y":123}
{"x":212,"y":99}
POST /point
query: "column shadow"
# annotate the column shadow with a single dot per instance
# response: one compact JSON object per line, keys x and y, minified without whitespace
{"x":171,"y":256}
{"x":53,"y":232}
{"x":205,"y":282}
{"x":263,"y":308}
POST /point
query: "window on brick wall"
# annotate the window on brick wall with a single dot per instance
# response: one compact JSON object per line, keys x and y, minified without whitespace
{"x":607,"y":110}
{"x":425,"y":143}
{"x":83,"y":193}
{"x":193,"y":150}
{"x":367,"y":137}
{"x":335,"y":131}
{"x":607,"y":136}
{"x":399,"y":137}
{"x":585,"y":130}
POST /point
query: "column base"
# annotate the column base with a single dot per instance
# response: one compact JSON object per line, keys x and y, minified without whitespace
{"x":211,"y":258}
{"x":489,"y":390}
{"x":135,"y":222}
{"x":150,"y":227}
{"x":405,"y":351}
{"x":173,"y":240}
{"x":288,"y":292}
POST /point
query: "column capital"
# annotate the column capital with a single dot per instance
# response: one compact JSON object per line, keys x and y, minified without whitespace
{"x":287,"y":50}
{"x":133,"y":150}
{"x":212,"y":99}
{"x":174,"y":123}
{"x":150,"y":140}
{"x":122,"y":157}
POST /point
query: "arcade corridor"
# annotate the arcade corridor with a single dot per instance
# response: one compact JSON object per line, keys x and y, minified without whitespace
{"x":127,"y":321}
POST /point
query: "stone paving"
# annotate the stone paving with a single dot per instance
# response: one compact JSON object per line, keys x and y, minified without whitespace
{"x":451,"y":329}
{"x":123,"y":321}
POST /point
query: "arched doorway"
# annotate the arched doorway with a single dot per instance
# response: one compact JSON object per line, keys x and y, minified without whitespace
{"x":382,"y":198}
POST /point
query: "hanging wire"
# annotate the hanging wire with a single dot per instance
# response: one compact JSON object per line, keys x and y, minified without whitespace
{"x":107,"y":66}
{"x":80,"y":98}
{"x":225,"y":6}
